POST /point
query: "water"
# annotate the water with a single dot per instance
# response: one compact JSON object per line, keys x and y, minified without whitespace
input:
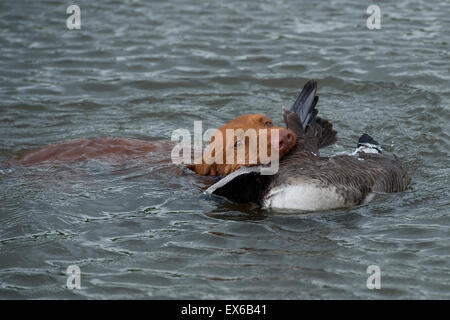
{"x":143,"y":69}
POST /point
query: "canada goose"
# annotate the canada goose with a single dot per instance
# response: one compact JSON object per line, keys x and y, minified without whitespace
{"x":306,"y":181}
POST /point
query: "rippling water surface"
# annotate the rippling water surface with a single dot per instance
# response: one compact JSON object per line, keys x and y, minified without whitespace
{"x":142,"y":69}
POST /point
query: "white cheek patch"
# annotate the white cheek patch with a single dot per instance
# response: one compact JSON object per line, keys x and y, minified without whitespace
{"x":367,"y":148}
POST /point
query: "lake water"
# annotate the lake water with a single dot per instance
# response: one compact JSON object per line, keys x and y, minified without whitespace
{"x":142,"y":69}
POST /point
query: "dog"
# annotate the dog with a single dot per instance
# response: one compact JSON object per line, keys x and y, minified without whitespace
{"x":213,"y":163}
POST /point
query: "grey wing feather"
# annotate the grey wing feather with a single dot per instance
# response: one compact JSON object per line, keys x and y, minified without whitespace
{"x":305,"y":103}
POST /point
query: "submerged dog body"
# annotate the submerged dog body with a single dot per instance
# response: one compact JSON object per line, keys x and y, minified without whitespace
{"x":119,"y":149}
{"x":306,"y":181}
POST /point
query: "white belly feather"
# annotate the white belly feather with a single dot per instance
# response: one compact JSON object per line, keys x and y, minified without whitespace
{"x":304,"y":196}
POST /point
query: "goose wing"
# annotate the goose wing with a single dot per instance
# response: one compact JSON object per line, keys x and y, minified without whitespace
{"x":246,"y":184}
{"x":304,"y":105}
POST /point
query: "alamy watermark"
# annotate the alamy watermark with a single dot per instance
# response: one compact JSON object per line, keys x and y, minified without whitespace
{"x":74,"y":277}
{"x":374,"y":20}
{"x":231,"y":149}
{"x":374,"y":280}
{"x":74,"y":20}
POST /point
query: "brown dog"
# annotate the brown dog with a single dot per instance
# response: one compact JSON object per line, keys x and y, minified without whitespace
{"x":121,"y":149}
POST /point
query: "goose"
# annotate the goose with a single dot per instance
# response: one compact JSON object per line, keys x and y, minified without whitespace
{"x":307,"y":181}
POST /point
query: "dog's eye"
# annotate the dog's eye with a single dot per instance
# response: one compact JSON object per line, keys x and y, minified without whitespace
{"x":268,"y":123}
{"x":238,"y":143}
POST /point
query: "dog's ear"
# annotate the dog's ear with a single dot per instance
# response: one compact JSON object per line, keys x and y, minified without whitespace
{"x":205,"y":169}
{"x":226,"y":169}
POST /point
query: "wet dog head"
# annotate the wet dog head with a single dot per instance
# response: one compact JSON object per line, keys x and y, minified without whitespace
{"x":244,"y":141}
